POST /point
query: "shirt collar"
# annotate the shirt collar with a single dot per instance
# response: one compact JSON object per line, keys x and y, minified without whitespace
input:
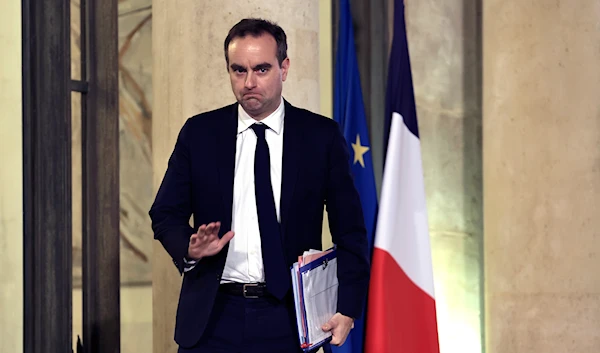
{"x":274,"y":121}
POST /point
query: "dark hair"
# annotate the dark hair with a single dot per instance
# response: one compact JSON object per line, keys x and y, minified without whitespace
{"x":256,"y":27}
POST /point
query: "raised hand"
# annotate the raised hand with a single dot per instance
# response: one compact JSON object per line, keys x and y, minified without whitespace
{"x":206,"y":241}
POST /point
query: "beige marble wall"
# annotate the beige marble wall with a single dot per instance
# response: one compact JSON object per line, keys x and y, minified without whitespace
{"x":135,"y":146}
{"x":136,"y":188}
{"x":444,"y":44}
{"x":542,"y":175}
{"x":190,"y":77}
{"x":11,"y":179}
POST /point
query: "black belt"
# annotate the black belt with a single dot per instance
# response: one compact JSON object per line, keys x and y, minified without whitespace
{"x":246,"y":290}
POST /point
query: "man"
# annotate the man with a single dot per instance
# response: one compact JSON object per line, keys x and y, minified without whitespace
{"x":256,"y":175}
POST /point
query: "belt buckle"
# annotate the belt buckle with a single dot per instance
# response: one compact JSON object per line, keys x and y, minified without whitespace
{"x":246,"y":285}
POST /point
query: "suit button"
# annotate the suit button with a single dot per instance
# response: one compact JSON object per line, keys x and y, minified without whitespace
{"x":218,"y":277}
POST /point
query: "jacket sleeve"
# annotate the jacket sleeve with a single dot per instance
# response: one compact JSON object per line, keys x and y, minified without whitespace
{"x":171,"y":211}
{"x":348,"y":231}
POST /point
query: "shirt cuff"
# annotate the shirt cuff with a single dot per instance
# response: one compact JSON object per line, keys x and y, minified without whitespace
{"x":189,"y":264}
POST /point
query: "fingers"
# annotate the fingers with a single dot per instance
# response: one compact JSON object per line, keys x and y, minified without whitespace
{"x":338,"y":336}
{"x":330,"y":325}
{"x":193,"y":246}
{"x":339,"y":326}
{"x":210,"y":229}
{"x":217,"y":227}
{"x":206,"y":241}
{"x":225,"y":239}
{"x":194,"y":239}
{"x":204,"y":233}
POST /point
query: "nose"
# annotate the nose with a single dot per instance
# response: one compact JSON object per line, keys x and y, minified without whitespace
{"x":250,"y":80}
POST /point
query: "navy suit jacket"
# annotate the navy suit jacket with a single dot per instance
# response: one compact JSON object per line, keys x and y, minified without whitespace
{"x":315,"y":173}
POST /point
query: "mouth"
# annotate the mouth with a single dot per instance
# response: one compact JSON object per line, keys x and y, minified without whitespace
{"x":251,"y":95}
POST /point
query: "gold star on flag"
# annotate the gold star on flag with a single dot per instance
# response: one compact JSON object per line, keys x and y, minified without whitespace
{"x":359,"y":151}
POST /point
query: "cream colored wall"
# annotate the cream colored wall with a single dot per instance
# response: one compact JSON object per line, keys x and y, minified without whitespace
{"x":11,"y":179}
{"x":541,"y":156}
{"x":325,"y":58}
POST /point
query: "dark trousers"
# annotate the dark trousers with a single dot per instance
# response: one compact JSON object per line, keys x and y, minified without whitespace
{"x":239,"y":324}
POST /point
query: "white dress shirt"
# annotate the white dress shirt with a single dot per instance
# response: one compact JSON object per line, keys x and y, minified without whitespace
{"x":244,"y":258}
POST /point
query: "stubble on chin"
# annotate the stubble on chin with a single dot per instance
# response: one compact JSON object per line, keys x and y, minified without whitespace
{"x":252,"y":106}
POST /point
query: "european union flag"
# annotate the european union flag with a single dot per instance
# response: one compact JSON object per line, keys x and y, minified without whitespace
{"x":349,"y":112}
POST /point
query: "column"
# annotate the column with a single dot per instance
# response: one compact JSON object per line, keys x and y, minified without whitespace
{"x":190,"y":77}
{"x":11,"y":179}
{"x":541,"y":153}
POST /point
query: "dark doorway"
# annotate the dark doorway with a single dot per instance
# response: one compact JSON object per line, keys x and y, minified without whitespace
{"x":48,"y":88}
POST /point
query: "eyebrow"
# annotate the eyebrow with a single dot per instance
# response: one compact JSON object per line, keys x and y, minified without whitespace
{"x":261,"y":66}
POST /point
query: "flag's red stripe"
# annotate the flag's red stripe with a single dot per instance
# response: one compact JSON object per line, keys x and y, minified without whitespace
{"x":401,"y":317}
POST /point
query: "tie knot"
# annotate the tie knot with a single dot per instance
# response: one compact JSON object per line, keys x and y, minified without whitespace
{"x":259,"y":130}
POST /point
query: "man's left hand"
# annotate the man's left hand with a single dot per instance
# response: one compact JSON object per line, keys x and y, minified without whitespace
{"x":340,"y":327}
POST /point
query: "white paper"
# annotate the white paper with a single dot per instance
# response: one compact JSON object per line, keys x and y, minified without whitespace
{"x":297,"y":302}
{"x":320,"y":298}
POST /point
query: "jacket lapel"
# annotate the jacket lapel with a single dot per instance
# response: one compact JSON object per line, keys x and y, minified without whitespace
{"x":226,"y":142}
{"x":293,"y":137}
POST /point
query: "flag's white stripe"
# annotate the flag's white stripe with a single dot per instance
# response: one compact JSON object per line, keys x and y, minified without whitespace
{"x":402,"y":228}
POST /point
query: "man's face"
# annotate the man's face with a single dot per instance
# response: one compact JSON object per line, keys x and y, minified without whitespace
{"x":256,"y":78}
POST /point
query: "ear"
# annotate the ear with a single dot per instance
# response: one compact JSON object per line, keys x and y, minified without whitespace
{"x":285,"y":66}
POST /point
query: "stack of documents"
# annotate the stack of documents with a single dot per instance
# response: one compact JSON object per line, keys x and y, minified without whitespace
{"x":315,"y":285}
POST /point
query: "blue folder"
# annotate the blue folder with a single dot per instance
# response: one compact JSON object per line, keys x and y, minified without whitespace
{"x":315,"y":287}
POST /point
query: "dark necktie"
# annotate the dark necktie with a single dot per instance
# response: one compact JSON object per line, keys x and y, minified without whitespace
{"x":276,"y":273}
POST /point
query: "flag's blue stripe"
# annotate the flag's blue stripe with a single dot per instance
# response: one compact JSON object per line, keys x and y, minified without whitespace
{"x":400,"y":97}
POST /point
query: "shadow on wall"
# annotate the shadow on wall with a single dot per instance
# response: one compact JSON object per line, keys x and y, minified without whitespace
{"x":473,"y":147}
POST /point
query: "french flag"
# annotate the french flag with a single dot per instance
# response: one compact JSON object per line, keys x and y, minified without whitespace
{"x":401,"y":315}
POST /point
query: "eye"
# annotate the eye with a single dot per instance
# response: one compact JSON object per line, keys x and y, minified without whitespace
{"x":237,"y":70}
{"x":262,"y":70}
